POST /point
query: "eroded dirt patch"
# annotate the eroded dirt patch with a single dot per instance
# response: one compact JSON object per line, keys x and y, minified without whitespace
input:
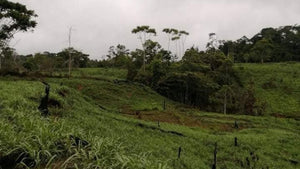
{"x":191,"y":120}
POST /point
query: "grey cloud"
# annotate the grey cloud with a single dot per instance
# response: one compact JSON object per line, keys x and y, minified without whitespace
{"x":99,"y":24}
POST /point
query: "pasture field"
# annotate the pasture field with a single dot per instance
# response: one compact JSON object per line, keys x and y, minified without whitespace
{"x":98,"y":122}
{"x":278,"y":84}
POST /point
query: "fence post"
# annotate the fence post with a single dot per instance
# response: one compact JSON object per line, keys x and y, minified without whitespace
{"x":215,"y":156}
{"x":179,"y":152}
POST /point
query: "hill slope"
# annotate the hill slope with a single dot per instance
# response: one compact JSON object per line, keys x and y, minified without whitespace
{"x":100,"y":112}
{"x":277,"y":84}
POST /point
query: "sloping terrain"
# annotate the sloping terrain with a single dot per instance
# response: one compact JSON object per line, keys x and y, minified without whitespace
{"x":106,"y":123}
{"x":277,"y":84}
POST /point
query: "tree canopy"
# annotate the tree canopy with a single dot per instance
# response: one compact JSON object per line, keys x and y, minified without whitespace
{"x":269,"y":45}
{"x":14,"y":17}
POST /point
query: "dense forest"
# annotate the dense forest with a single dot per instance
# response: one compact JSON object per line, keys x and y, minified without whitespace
{"x":269,"y":45}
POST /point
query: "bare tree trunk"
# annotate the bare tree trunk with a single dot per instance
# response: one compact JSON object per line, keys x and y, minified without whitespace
{"x":169,"y":43}
{"x":176,"y":43}
{"x":179,"y":49}
{"x":183,"y":49}
{"x":183,"y":42}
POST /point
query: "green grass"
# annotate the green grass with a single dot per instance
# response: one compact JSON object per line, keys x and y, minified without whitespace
{"x":119,"y":141}
{"x":278,"y":84}
{"x":112,"y":73}
{"x":91,"y":73}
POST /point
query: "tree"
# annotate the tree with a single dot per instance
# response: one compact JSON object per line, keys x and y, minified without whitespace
{"x":175,"y":38}
{"x":151,"y":50}
{"x":9,"y":57}
{"x":191,"y":88}
{"x":118,"y":56}
{"x":79,"y":59}
{"x":175,"y":35}
{"x":270,"y":44}
{"x":14,"y":17}
{"x":184,"y":35}
{"x":192,"y":55}
{"x":169,"y":34}
{"x":225,"y":94}
{"x":262,"y":49}
{"x":144,"y":33}
{"x":213,"y":42}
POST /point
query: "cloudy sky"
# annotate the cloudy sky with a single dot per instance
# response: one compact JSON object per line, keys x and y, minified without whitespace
{"x":98,"y":24}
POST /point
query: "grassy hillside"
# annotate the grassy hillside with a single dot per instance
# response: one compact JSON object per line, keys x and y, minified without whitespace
{"x":278,"y":84}
{"x":120,"y":122}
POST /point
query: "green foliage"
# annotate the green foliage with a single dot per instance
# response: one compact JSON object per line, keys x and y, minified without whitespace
{"x":262,"y":50}
{"x":193,"y":55}
{"x":117,"y":141}
{"x":199,"y":79}
{"x":30,"y":65}
{"x":151,"y":50}
{"x":270,"y":45}
{"x":157,"y":60}
{"x":189,"y":88}
{"x":79,"y":59}
{"x":51,"y":62}
{"x":9,"y":59}
{"x":159,"y":70}
{"x":14,"y":17}
{"x":118,"y":56}
{"x":144,"y":29}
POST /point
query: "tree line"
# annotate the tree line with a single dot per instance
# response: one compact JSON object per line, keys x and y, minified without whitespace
{"x":269,"y":45}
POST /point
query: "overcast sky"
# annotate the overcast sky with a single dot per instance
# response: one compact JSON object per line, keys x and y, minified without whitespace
{"x":99,"y":24}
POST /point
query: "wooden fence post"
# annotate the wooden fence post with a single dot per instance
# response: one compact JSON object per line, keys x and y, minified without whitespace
{"x":179,"y":152}
{"x":215,"y":156}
